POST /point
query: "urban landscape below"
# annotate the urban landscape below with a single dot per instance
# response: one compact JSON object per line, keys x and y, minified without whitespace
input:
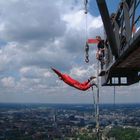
{"x":68,"y":122}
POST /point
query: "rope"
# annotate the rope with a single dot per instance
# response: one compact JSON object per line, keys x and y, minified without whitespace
{"x":86,"y":33}
{"x":85,"y":3}
{"x":114,"y":93}
{"x":97,"y":104}
{"x":86,"y":11}
{"x":114,"y":100}
{"x":114,"y":96}
{"x":86,"y":18}
{"x":94,"y":102}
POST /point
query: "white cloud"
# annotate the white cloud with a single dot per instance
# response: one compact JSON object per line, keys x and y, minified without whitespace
{"x":78,"y":19}
{"x":24,"y":70}
{"x":75,"y":20}
{"x":95,"y":22}
{"x":8,"y":82}
{"x":47,"y":74}
{"x":78,"y":71}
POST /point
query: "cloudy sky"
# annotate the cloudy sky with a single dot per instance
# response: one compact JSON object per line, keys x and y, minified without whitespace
{"x":38,"y":34}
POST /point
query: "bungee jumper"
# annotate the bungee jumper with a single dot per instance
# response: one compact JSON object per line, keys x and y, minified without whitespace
{"x":74,"y":83}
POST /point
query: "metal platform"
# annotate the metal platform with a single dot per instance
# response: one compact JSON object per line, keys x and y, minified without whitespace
{"x":123,"y":59}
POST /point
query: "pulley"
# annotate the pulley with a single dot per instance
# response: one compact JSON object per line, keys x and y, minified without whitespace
{"x":86,"y":53}
{"x":85,"y":3}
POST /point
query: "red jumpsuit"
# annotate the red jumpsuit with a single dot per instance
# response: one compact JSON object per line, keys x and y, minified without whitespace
{"x":72,"y":82}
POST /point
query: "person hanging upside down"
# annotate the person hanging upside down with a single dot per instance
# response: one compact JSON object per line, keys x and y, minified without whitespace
{"x":74,"y":83}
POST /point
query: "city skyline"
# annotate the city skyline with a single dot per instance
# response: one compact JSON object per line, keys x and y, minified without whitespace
{"x":50,"y":121}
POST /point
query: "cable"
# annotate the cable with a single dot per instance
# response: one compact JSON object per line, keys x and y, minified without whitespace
{"x":114,"y":96}
{"x":114,"y":101}
{"x":97,"y":104}
{"x":86,"y":11}
{"x":86,"y":48}
{"x":85,"y":3}
{"x":114,"y":93}
{"x":94,"y":102}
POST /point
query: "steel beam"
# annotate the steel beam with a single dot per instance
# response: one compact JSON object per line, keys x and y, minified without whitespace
{"x":108,"y":26}
{"x":127,"y":21}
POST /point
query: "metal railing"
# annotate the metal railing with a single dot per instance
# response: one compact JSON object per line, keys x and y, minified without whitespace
{"x":125,"y":22}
